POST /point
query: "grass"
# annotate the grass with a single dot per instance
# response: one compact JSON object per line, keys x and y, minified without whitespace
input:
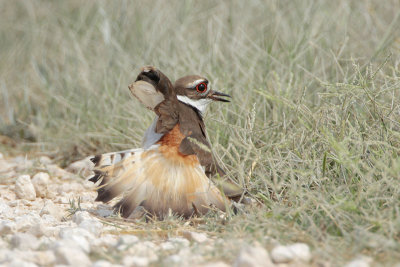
{"x":313,"y":129}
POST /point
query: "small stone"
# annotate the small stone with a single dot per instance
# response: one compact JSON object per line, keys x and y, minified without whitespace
{"x":195,"y":237}
{"x":173,"y":259}
{"x":301,"y":252}
{"x":7,"y":227}
{"x":40,"y":182}
{"x":126,"y":241}
{"x":360,"y":262}
{"x":135,"y":261}
{"x":180,"y":242}
{"x":70,"y":231}
{"x":3,"y":244}
{"x":252,"y":257}
{"x":104,"y":210}
{"x":295,"y":252}
{"x":82,"y":167}
{"x":69,"y":187}
{"x":22,"y":163}
{"x":20,"y":263}
{"x":102,"y":263}
{"x":44,"y":258}
{"x":5,"y":210}
{"x":144,"y":249}
{"x":74,"y":241}
{"x":92,"y":225}
{"x":41,"y":229}
{"x":1,"y":156}
{"x":215,"y":264}
{"x":51,"y":209}
{"x":81,"y":216}
{"x":167,"y":246}
{"x":79,"y":237}
{"x":45,"y":160}
{"x":71,"y":256}
{"x":88,"y":222}
{"x":56,"y":171}
{"x":6,"y":166}
{"x":27,"y":221}
{"x":24,"y":188}
{"x":24,"y":241}
{"x":4,"y":254}
{"x":107,"y":240}
{"x":281,"y":254}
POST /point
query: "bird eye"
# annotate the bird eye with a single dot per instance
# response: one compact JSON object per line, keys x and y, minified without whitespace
{"x":201,"y":88}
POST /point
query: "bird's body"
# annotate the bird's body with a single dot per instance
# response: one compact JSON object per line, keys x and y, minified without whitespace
{"x":170,"y":172}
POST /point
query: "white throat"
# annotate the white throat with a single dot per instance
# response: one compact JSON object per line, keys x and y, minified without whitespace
{"x":200,"y":104}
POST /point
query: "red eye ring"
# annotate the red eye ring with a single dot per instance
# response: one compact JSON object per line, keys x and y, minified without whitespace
{"x":201,"y":87}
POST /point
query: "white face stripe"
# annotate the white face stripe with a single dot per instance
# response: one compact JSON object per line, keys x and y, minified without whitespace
{"x":195,"y":82}
{"x":200,"y":104}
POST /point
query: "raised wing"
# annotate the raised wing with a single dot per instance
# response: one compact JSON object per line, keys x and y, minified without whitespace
{"x":146,"y":93}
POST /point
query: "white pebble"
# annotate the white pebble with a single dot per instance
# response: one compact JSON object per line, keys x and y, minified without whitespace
{"x":252,"y":257}
{"x":215,"y":264}
{"x":70,"y":231}
{"x":27,"y":221}
{"x":75,"y":242}
{"x":24,"y":188}
{"x":103,"y":263}
{"x":180,"y":242}
{"x":107,"y":240}
{"x":135,"y":261}
{"x":281,"y":254}
{"x":173,"y":259}
{"x":45,"y":160}
{"x":56,"y":171}
{"x":126,"y":241}
{"x":195,"y":237}
{"x":167,"y":245}
{"x":5,"y":210}
{"x":43,"y":229}
{"x":40,"y":182}
{"x":80,"y":216}
{"x":7,"y":227}
{"x":44,"y":258}
{"x":295,"y":252}
{"x":52,"y":209}
{"x":24,"y":241}
{"x":71,"y":256}
{"x":22,"y":163}
{"x":88,"y":222}
{"x":83,"y":167}
{"x":20,"y":263}
{"x":3,"y":244}
{"x":144,"y":249}
{"x":360,"y":262}
{"x":92,"y":225}
{"x":301,"y":252}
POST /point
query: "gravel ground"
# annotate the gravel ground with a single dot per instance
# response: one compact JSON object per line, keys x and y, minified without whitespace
{"x":48,"y":217}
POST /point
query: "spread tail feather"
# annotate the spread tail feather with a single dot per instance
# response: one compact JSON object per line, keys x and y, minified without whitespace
{"x":147,"y":178}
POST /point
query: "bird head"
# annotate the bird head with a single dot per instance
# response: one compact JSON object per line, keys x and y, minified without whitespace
{"x":196,"y":91}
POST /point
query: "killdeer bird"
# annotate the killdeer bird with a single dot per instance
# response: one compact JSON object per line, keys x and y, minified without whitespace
{"x":171,"y":172}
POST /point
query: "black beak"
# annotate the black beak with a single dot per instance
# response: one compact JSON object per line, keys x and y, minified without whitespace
{"x":214,"y":95}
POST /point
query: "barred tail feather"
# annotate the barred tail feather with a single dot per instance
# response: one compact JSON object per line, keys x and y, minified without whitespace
{"x":147,"y":178}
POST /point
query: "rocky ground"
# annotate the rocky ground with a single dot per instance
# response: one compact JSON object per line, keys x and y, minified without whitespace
{"x":48,"y":217}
